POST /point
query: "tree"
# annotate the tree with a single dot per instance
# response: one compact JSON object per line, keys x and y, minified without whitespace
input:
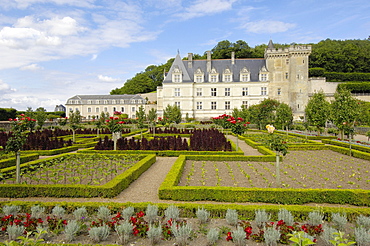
{"x":74,"y":122}
{"x":29,"y":113}
{"x":284,"y":116}
{"x":267,"y":112}
{"x":18,"y":139}
{"x":114,"y":124}
{"x":7,"y":113}
{"x":100,"y":123}
{"x":41,"y":116}
{"x":152,"y":116}
{"x":344,"y":111}
{"x":141,"y":117}
{"x":172,"y":114}
{"x":317,"y":111}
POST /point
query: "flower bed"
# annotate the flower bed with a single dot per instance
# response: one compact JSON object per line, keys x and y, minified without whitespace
{"x":76,"y":223}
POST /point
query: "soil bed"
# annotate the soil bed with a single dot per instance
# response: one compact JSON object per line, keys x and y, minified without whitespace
{"x":299,"y":169}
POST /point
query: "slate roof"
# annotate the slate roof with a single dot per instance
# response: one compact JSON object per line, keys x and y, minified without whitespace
{"x":85,"y":98}
{"x":253,"y":65}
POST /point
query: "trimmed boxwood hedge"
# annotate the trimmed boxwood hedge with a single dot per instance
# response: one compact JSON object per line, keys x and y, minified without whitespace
{"x":346,"y":145}
{"x":170,"y":191}
{"x":52,"y":151}
{"x":110,"y":189}
{"x":11,"y":161}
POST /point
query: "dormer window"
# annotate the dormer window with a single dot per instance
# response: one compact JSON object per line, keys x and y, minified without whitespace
{"x":176,"y":75}
{"x":199,"y":76}
{"x":213,"y":76}
{"x":227,"y":75}
{"x":244,"y":75}
{"x":263,"y":75}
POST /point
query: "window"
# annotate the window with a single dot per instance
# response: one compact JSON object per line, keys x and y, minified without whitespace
{"x":279,"y":91}
{"x":122,"y":101}
{"x":286,"y":75}
{"x":177,"y":104}
{"x":213,"y":78}
{"x":213,"y":92}
{"x":263,"y":91}
{"x":176,"y":78}
{"x":89,"y":110}
{"x":71,"y":110}
{"x":105,"y":101}
{"x":227,"y":92}
{"x":133,"y":109}
{"x":199,"y":92}
{"x":213,"y":105}
{"x":113,"y":101}
{"x":96,"y":110}
{"x":245,"y":77}
{"x":263,"y":77}
{"x":122,"y":109}
{"x":114,"y":109}
{"x":199,"y":105}
{"x":105,"y":109}
{"x":97,"y":102}
{"x":245,"y":104}
{"x":88,"y":101}
{"x":227,"y":105}
{"x":199,"y":79}
{"x":287,"y":61}
{"x":245,"y":91}
{"x":177,"y":92}
{"x":227,"y":77}
{"x":77,"y":110}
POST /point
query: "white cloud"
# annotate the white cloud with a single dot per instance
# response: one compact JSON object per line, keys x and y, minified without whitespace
{"x":107,"y":78}
{"x":31,"y":67}
{"x":205,"y":7}
{"x":4,"y":87}
{"x":266,"y":26}
{"x":93,"y":57}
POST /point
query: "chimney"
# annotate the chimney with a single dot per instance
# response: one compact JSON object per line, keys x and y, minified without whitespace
{"x":190,"y":60}
{"x":233,"y":58}
{"x":209,"y":64}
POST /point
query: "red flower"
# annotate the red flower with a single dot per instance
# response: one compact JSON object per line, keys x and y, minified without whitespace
{"x":22,"y":115}
{"x":135,"y":232}
{"x":229,"y":237}
{"x":140,"y":214}
{"x":248,"y":122}
{"x":111,"y":117}
{"x":10,"y":119}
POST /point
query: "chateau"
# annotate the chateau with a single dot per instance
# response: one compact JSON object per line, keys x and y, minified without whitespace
{"x":211,"y":87}
{"x":207,"y":88}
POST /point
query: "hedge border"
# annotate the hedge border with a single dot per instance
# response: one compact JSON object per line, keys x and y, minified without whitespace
{"x":170,"y":191}
{"x":109,"y":190}
{"x":346,"y":145}
{"x":52,"y":151}
{"x":12,"y":162}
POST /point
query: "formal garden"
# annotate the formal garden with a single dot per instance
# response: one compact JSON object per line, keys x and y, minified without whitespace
{"x":300,"y":189}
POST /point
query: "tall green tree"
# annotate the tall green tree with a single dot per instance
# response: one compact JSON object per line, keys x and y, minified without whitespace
{"x":345,"y":111}
{"x":317,"y":110}
{"x":41,"y":116}
{"x":284,"y":116}
{"x":267,"y":112}
{"x":172,"y":114}
{"x":140,"y":117}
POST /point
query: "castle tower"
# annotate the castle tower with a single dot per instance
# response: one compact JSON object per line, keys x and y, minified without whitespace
{"x":288,"y":78}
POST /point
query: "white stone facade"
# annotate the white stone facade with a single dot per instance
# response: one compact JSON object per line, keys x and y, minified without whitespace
{"x":208,"y":88}
{"x":91,"y":106}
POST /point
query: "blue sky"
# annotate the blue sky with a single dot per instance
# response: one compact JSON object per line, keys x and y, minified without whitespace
{"x":54,"y":49}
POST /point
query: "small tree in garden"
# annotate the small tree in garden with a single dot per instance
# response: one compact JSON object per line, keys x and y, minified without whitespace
{"x":317,"y":111}
{"x":152,"y":116}
{"x":238,"y":127}
{"x":284,"y":116}
{"x":172,"y":114}
{"x":100,"y":123}
{"x":276,"y":143}
{"x":114,"y":124}
{"x":41,"y":116}
{"x":141,"y":117}
{"x":344,"y":111}
{"x":74,"y":122}
{"x":18,"y":139}
{"x":31,"y":114}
